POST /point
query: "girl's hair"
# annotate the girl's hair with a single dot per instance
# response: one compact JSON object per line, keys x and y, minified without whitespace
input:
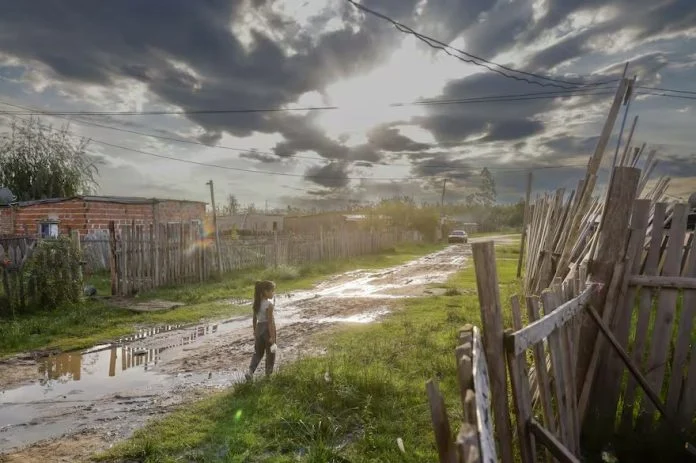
{"x":259,"y":289}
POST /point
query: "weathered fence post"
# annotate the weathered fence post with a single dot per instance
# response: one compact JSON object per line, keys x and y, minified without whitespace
{"x":525,"y":224}
{"x":610,"y":251}
{"x":492,"y":318}
{"x":113,"y":258}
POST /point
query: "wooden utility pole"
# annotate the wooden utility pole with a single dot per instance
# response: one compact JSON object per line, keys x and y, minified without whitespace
{"x":442,"y":210}
{"x":217,"y":234}
{"x":525,"y":223}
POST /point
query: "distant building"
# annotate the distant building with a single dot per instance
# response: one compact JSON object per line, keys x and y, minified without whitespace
{"x":90,"y":214}
{"x":253,"y":222}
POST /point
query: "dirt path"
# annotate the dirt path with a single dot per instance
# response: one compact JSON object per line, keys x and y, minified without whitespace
{"x":80,"y":403}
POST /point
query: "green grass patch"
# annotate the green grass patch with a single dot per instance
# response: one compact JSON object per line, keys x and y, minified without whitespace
{"x":349,"y":405}
{"x":93,"y":322}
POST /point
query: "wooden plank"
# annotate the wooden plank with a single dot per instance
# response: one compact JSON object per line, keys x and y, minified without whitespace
{"x":525,"y":224}
{"x":540,"y":329}
{"x":644,"y":308}
{"x":519,"y":379}
{"x":667,"y":306}
{"x":482,"y":390}
{"x":441,"y":427}
{"x":643,"y":381}
{"x":557,"y":449}
{"x":565,"y":359}
{"x":568,"y":343}
{"x":665,"y":282}
{"x":549,"y":303}
{"x":540,"y":366}
{"x":685,"y":328}
{"x":492,"y":317}
{"x":611,"y":378}
{"x":610,"y":250}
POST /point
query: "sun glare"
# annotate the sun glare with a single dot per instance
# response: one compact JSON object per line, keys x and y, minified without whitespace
{"x":410,"y":73}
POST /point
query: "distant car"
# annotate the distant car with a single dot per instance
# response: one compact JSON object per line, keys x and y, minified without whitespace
{"x":458,"y":236}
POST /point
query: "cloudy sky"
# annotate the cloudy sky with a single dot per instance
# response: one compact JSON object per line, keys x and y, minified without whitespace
{"x":192,"y":58}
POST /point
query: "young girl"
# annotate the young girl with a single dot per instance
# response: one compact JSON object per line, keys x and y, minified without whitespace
{"x":264,"y":327}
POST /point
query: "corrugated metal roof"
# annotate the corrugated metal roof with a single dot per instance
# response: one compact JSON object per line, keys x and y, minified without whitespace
{"x":105,"y":199}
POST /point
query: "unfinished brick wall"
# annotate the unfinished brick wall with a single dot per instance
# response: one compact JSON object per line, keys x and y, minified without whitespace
{"x":90,"y":216}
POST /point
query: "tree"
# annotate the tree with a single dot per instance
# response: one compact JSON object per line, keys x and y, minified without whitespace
{"x":232,"y":204}
{"x":485,"y":194}
{"x":38,"y":162}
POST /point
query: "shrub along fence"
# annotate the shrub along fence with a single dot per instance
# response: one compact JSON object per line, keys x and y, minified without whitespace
{"x":144,"y":257}
{"x":38,"y":274}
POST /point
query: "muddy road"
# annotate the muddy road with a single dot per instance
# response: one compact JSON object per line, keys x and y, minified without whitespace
{"x":68,"y":406}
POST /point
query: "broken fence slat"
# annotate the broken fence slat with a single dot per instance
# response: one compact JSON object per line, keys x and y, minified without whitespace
{"x":482,"y":390}
{"x":557,"y":449}
{"x":535,"y":332}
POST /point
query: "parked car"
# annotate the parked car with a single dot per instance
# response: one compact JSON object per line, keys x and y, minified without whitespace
{"x":458,"y":236}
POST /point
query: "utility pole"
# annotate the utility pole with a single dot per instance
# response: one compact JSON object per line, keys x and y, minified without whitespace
{"x":217,"y":234}
{"x":442,"y":210}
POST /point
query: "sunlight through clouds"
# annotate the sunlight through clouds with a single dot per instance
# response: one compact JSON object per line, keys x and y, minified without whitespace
{"x":410,"y":73}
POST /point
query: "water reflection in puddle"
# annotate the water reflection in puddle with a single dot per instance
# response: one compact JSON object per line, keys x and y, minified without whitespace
{"x":143,"y":351}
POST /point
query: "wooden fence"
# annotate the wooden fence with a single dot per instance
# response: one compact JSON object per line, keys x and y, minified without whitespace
{"x":475,"y":441}
{"x":642,"y":359}
{"x":14,"y":254}
{"x":143,"y":258}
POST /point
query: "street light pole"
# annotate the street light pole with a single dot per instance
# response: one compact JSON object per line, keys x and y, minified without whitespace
{"x":217,"y":234}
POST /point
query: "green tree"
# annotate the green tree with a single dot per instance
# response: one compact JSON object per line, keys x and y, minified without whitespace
{"x":38,"y":162}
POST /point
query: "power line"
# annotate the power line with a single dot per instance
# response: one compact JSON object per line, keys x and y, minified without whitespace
{"x":286,"y":174}
{"x":250,"y":151}
{"x":473,"y":59}
{"x":687,"y":92}
{"x":668,"y":95}
{"x":34,"y":111}
{"x":428,"y":102}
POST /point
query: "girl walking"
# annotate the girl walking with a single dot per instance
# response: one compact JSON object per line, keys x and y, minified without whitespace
{"x":264,"y":328}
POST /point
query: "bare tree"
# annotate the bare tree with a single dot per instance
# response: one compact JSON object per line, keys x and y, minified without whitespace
{"x":38,"y":161}
{"x":232,"y":204}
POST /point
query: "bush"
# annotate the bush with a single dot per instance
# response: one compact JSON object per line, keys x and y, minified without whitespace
{"x":53,"y":273}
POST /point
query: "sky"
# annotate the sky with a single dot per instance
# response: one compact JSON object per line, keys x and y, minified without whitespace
{"x":188,"y":57}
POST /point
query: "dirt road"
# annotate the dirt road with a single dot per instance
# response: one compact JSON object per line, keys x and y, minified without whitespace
{"x":79,"y":403}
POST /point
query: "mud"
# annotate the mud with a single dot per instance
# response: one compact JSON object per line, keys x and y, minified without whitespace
{"x":86,"y":401}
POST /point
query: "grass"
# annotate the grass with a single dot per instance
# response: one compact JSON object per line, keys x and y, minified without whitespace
{"x":349,"y":405}
{"x":93,"y":322}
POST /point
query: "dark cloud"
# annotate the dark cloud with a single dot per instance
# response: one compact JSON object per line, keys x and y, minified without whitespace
{"x":210,"y":138}
{"x":260,"y":157}
{"x":442,"y":166}
{"x":513,"y":129}
{"x":390,"y":139}
{"x":332,"y":175}
{"x":571,"y":145}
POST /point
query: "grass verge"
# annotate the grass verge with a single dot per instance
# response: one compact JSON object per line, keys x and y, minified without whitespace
{"x":350,"y":405}
{"x":92,"y":322}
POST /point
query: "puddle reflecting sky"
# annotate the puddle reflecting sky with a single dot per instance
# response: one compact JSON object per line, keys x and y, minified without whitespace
{"x":110,"y":362}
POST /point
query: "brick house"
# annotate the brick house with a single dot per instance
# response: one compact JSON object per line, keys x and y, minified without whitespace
{"x":91,"y":214}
